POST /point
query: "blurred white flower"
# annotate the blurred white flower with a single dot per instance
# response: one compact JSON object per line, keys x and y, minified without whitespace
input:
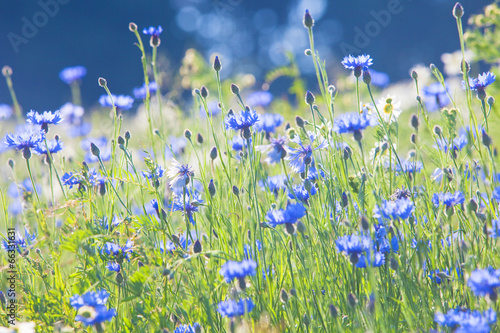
{"x":389,"y":109}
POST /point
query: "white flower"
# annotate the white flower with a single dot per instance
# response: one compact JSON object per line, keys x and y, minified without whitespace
{"x":389,"y":109}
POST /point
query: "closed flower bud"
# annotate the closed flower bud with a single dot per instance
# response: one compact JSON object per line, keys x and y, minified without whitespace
{"x":331,"y":89}
{"x":284,"y":296}
{"x":308,"y":160}
{"x":481,"y":94}
{"x":308,"y":185}
{"x":458,"y":10}
{"x":364,"y":223}
{"x":174,"y":319}
{"x":344,"y":200}
{"x":354,"y":258}
{"x":394,"y":264}
{"x":197,"y":248}
{"x":300,"y":121}
{"x":308,"y":52}
{"x":358,"y":136}
{"x":95,"y":150}
{"x":187,"y":134}
{"x":121,"y":140}
{"x":102,"y":82}
{"x":235,"y":89}
{"x":308,"y":20}
{"x":127,"y":135}
{"x":242,"y":284}
{"x":301,"y":227}
{"x":199,"y":138}
{"x":437,"y":130}
{"x":132,"y":26}
{"x":358,"y":71}
{"x":413,"y":138}
{"x":306,"y":320}
{"x":217,"y":65}
{"x":215,"y":234}
{"x":140,"y":264}
{"x":204,"y":92}
{"x":414,"y":122}
{"x":293,"y":292}
{"x":414,"y":75}
{"x":196,"y":91}
{"x":246,"y":133}
{"x":211,"y":188}
{"x":346,"y":153}
{"x":6,"y":71}
{"x":289,"y":228}
{"x":11,"y":163}
{"x":102,"y":189}
{"x":175,"y":239}
{"x":367,"y":77}
{"x":486,"y":139}
{"x":309,"y":98}
{"x":490,"y":101}
{"x":236,"y":190}
{"x":119,"y":278}
{"x":473,"y":206}
{"x":351,"y":299}
{"x":155,"y":41}
{"x":333,"y":311}
{"x":467,"y":67}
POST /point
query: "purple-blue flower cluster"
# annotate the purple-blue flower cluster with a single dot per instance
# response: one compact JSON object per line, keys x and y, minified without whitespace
{"x":231,"y":308}
{"x":291,"y":214}
{"x":91,"y":307}
{"x":238,"y":270}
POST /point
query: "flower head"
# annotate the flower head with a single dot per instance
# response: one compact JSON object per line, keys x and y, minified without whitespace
{"x":448,"y":199}
{"x":21,"y":242}
{"x":353,"y":122}
{"x":399,"y":209}
{"x":117,"y":251}
{"x":188,"y":328}
{"x":389,"y":109}
{"x":44,"y":119}
{"x":154,"y":174}
{"x":5,"y":111}
{"x":484,"y":282}
{"x":362,"y":61}
{"x":91,"y":307}
{"x":435,"y":96}
{"x":140,"y":93}
{"x":243,"y":121}
{"x":113,"y":266}
{"x":230,"y":308}
{"x":121,"y":102}
{"x":291,"y":214}
{"x":71,"y":74}
{"x":466,"y":320}
{"x":482,"y":81}
{"x":25,"y":140}
{"x":180,"y":174}
{"x":259,"y":98}
{"x":300,"y":193}
{"x":275,"y":184}
{"x":302,"y":156}
{"x":238,"y":270}
{"x":71,"y":113}
{"x":276,"y":150}
{"x":408,"y":166}
{"x":187,"y":205}
{"x":55,"y":146}
{"x":152,"y":31}
{"x":353,"y":244}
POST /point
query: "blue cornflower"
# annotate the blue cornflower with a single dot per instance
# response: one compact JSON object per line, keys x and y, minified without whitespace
{"x":184,"y":243}
{"x":299,"y":157}
{"x":435,"y":96}
{"x":44,"y":119}
{"x":484,"y":282}
{"x":408,"y":166}
{"x":21,"y":243}
{"x":72,"y":114}
{"x":482,"y":81}
{"x":313,"y":174}
{"x":26,"y":140}
{"x":71,"y":179}
{"x":188,"y":328}
{"x":91,"y":307}
{"x":496,"y":193}
{"x":230,"y":308}
{"x":188,"y":205}
{"x":448,"y":199}
{"x":400,"y":209}
{"x":494,"y":231}
{"x":354,"y":246}
{"x":458,"y":143}
{"x":113,"y":266}
{"x":82,"y":129}
{"x":379,"y":79}
{"x":238,"y":270}
{"x":357,"y":63}
{"x":353,"y":123}
{"x":247,"y":249}
{"x":5,"y":111}
{"x":367,"y":259}
{"x":121,"y":102}
{"x":152,"y":31}
{"x":180,"y":174}
{"x":15,"y":191}
{"x":140,"y":93}
{"x":155,"y":174}
{"x":276,"y":150}
{"x":238,"y":143}
{"x":71,"y":74}
{"x":242,"y":122}
{"x":55,"y":146}
{"x":117,"y":251}
{"x":259,"y":98}
{"x":268,"y":122}
{"x":291,"y":214}
{"x":300,"y":193}
{"x":275,"y":184}
{"x":466,"y":320}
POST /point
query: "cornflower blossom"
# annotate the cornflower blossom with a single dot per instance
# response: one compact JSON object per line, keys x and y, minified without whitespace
{"x":399,"y":209}
{"x":91,"y":307}
{"x":298,"y":158}
{"x":238,"y":270}
{"x":290,"y":215}
{"x":180,"y":174}
{"x":121,"y":102}
{"x":231,"y":308}
{"x":276,"y":150}
{"x":268,"y":122}
{"x":71,"y":74}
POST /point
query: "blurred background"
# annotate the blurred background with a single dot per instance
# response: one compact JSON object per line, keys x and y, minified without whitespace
{"x":39,"y":38}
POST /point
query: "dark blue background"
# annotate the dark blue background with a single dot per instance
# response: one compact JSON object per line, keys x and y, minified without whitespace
{"x":95,"y":34}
